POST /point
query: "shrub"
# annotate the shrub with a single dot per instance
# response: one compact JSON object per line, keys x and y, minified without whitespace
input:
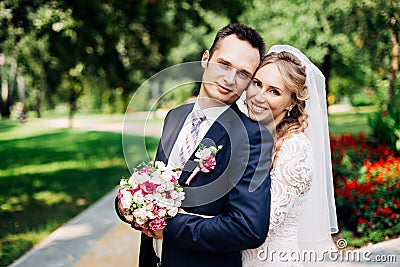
{"x":362,"y":99}
{"x":385,"y":126}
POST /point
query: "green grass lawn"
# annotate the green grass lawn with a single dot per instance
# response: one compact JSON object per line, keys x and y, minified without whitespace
{"x":352,"y":122}
{"x":47,"y":176}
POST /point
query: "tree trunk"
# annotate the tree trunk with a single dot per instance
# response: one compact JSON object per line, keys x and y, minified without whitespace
{"x":394,"y":63}
{"x":72,"y":108}
{"x":326,"y":70}
{"x":76,"y":90}
{"x":38,"y":103}
{"x":5,"y":105}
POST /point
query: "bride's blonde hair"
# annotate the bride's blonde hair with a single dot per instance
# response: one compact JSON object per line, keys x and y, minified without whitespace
{"x":294,"y":78}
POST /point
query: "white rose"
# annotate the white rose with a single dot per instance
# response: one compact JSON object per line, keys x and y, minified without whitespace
{"x":162,"y":212}
{"x":173,"y":211}
{"x":159,"y":199}
{"x":138,"y":197}
{"x":150,"y":215}
{"x":122,"y":183}
{"x":126,"y":202}
{"x":167,"y":175}
{"x":170,"y":202}
{"x":204,"y":154}
{"x":161,"y":188}
{"x":141,"y":213}
{"x":174,"y":195}
{"x":148,"y":198}
{"x":133,"y":182}
{"x":149,"y":206}
{"x":141,"y":178}
{"x":169,"y":186}
{"x":181,"y":195}
{"x":140,"y":221}
{"x":157,"y":179}
{"x":160,"y":165}
{"x":177,"y":203}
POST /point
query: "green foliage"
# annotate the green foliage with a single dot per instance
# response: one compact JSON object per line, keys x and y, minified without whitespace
{"x":354,"y":240}
{"x":362,"y":99}
{"x":42,"y":173}
{"x":385,"y":126}
{"x":343,"y":86}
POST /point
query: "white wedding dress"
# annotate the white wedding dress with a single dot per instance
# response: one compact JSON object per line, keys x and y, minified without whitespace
{"x":290,"y":181}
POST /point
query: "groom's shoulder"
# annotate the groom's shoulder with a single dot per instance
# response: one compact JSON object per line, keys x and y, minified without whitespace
{"x":249,"y":124}
{"x":253,"y":128}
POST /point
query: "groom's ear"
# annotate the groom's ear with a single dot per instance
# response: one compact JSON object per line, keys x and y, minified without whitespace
{"x":204,"y":59}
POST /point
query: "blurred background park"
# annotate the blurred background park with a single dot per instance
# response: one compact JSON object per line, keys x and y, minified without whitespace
{"x":84,"y":60}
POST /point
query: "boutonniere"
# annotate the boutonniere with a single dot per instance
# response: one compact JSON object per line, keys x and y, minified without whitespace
{"x":205,"y":158}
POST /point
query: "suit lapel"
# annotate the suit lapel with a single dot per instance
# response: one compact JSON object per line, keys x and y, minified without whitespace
{"x":216,"y":132}
{"x":221,"y":126}
{"x":173,"y":128}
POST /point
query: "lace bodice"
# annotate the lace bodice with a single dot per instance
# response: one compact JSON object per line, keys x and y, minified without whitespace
{"x":290,"y":181}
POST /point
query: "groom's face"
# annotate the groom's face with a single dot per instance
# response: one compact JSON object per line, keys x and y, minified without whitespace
{"x":228,"y":71}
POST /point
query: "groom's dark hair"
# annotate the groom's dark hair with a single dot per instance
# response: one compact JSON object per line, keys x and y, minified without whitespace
{"x":244,"y":33}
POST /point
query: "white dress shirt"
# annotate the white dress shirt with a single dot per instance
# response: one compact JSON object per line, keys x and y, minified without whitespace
{"x":211,"y":114}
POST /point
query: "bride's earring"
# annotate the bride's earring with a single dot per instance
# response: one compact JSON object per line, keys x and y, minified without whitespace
{"x":288,"y":112}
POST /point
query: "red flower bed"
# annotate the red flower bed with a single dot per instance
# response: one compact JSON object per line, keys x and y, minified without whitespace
{"x":367,"y":184}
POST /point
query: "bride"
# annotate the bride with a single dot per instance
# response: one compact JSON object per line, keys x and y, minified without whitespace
{"x":303,"y":212}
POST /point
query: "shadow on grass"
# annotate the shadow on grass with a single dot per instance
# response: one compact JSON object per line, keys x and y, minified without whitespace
{"x":349,"y":123}
{"x":47,"y":179}
{"x":7,"y":126}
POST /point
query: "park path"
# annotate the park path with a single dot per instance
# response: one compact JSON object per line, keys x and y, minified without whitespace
{"x":96,"y":237}
{"x":139,"y":123}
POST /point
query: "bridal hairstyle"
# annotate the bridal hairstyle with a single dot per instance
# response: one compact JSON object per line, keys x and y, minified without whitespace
{"x":318,"y":220}
{"x":244,"y":33}
{"x":294,"y":79}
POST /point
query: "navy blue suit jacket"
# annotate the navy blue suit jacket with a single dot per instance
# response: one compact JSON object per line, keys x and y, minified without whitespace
{"x":236,"y":193}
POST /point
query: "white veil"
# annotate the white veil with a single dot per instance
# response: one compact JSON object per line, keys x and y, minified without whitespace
{"x":318,"y":220}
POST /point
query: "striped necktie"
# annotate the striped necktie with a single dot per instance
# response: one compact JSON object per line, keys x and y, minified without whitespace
{"x":190,"y":141}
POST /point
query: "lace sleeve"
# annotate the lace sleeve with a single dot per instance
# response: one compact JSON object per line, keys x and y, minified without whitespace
{"x":290,"y":179}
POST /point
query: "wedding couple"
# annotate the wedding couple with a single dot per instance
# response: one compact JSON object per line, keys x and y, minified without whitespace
{"x":271,"y":186}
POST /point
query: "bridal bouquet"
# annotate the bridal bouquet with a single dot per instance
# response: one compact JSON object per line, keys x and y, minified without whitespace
{"x":151,"y":195}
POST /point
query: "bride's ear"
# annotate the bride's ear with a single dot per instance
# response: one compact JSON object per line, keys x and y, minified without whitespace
{"x":204,"y":59}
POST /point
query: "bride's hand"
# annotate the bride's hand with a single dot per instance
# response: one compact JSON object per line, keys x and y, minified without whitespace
{"x":180,"y":210}
{"x":158,"y":234}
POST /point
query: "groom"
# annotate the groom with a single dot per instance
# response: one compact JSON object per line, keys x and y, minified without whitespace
{"x":234,"y":196}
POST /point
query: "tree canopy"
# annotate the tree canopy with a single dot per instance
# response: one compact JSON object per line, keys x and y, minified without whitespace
{"x":99,"y":52}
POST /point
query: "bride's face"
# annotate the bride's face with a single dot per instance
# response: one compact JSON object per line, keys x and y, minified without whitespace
{"x":268,"y":95}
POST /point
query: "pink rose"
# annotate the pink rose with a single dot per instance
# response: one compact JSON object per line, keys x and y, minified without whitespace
{"x":157,"y":224}
{"x":120,"y":195}
{"x":148,"y":187}
{"x":174,"y":180}
{"x":208,"y":165}
{"x":158,"y":211}
{"x":145,"y":170}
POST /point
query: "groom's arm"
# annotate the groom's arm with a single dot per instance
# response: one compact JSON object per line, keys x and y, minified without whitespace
{"x":244,"y":222}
